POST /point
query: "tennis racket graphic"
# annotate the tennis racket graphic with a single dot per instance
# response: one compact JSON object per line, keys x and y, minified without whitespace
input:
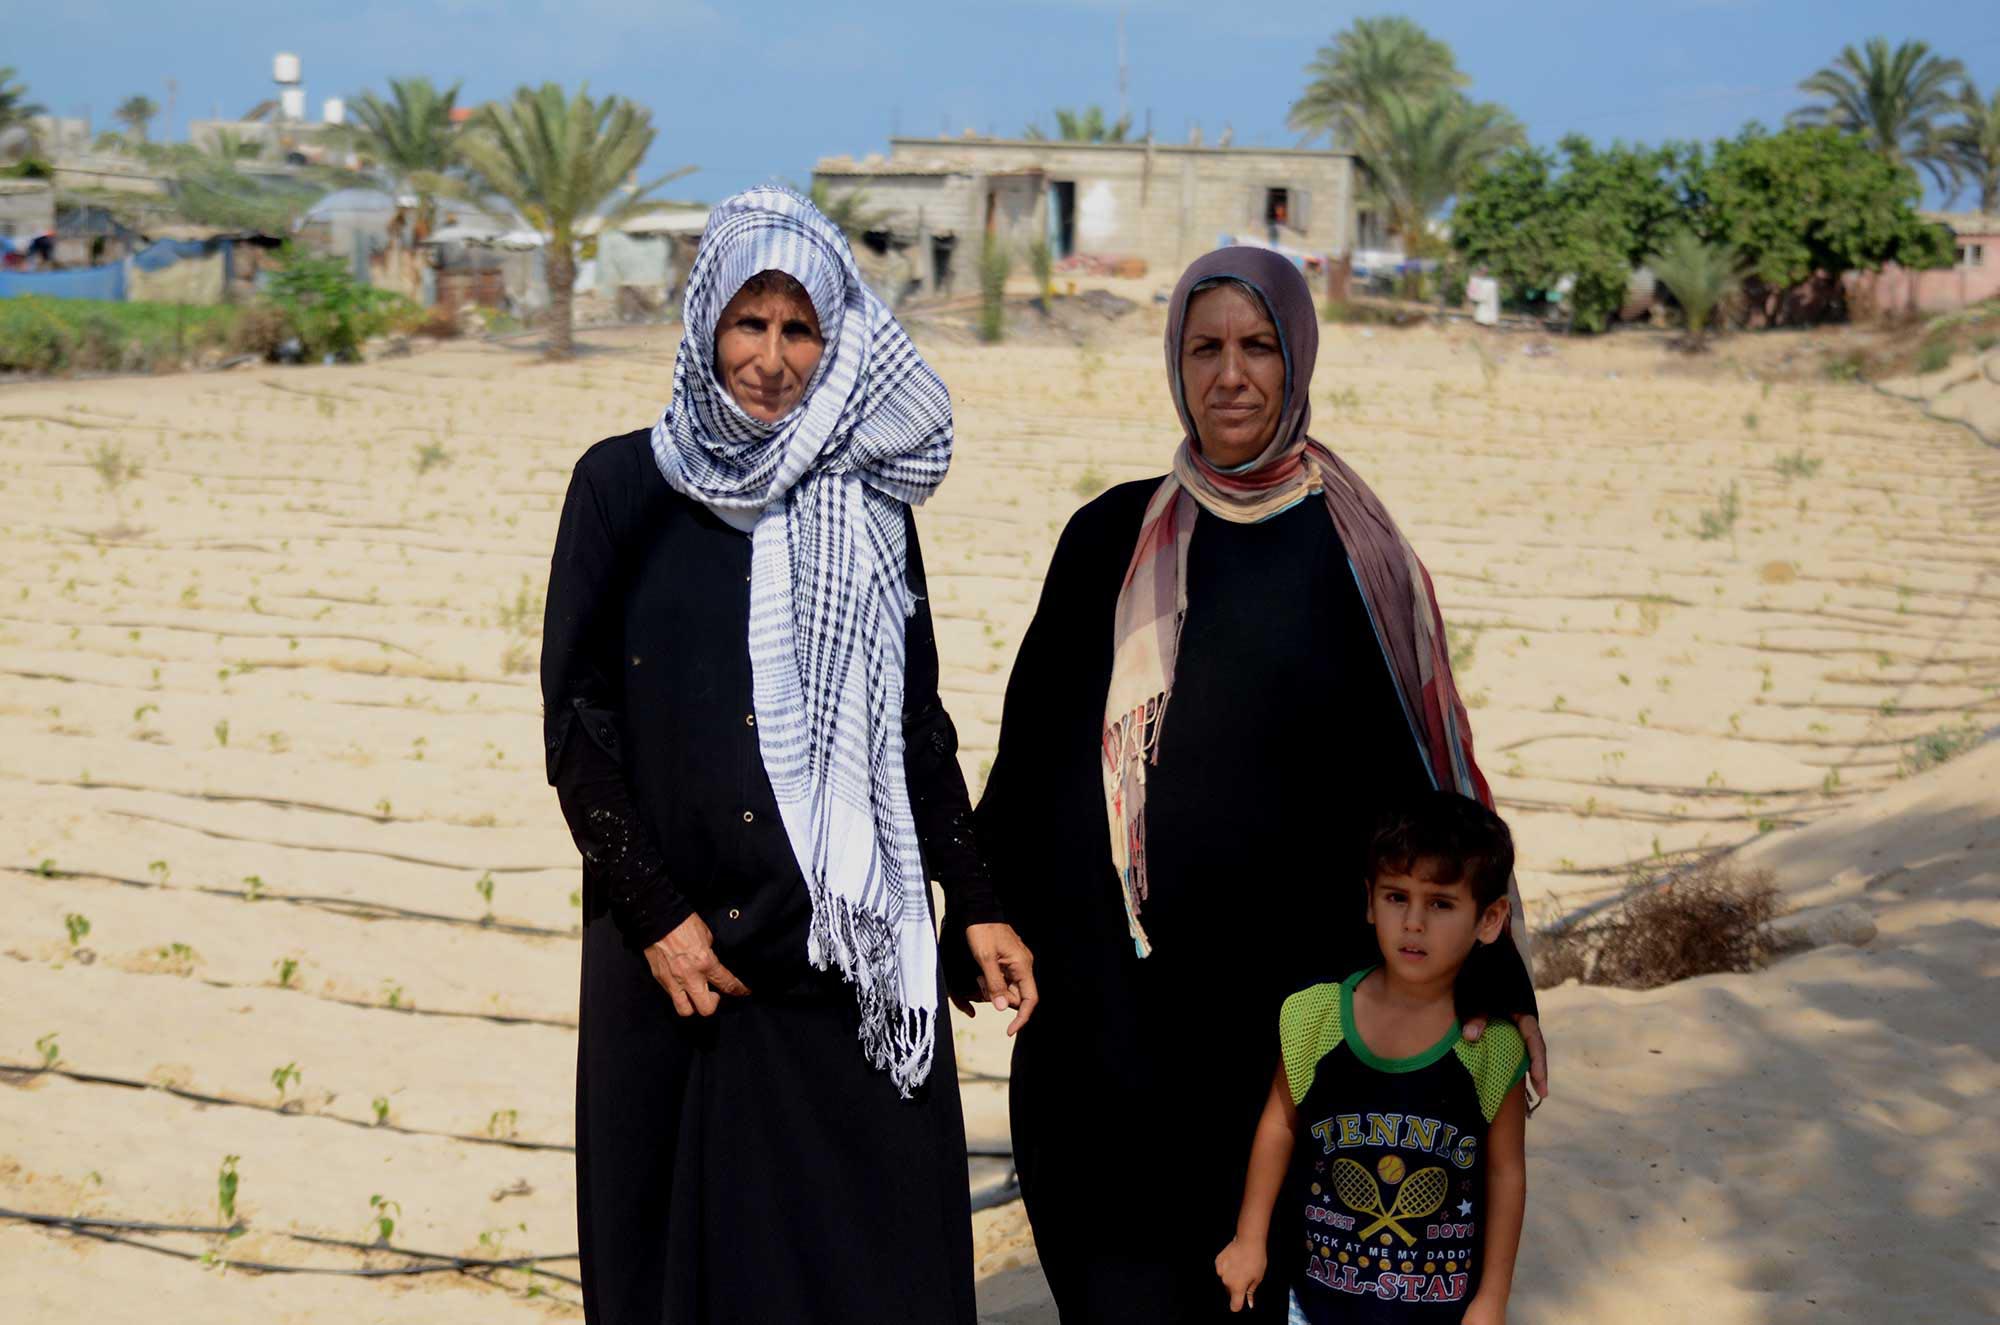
{"x":1418,"y":1197}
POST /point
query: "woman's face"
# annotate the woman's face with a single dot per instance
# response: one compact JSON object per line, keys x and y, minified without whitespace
{"x":1233,"y":373}
{"x":767,"y":344}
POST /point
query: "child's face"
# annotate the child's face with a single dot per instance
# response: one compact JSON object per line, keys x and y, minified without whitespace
{"x":1425,"y":929}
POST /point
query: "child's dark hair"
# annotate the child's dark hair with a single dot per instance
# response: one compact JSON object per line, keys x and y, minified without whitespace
{"x":1451,"y":837}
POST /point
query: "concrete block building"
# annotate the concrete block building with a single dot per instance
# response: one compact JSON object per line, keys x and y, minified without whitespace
{"x":932,"y":202}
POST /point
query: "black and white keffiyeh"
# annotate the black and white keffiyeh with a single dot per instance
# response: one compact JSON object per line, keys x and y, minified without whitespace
{"x":828,"y":592}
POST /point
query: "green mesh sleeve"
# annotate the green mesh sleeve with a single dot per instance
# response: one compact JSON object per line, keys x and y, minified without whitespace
{"x":1496,"y":1062}
{"x":1308,"y":1026}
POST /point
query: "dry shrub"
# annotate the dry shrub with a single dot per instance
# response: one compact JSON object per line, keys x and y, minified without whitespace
{"x":261,"y":329}
{"x":1779,"y":572}
{"x":1707,"y":918}
{"x":440,"y":322}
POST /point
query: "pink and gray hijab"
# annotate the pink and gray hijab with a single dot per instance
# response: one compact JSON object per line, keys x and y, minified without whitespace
{"x":1153,"y":602}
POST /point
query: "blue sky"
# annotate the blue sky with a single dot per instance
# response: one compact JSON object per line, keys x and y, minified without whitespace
{"x":752,"y":92}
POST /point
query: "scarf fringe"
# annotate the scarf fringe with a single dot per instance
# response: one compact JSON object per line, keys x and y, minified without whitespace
{"x":864,"y":948}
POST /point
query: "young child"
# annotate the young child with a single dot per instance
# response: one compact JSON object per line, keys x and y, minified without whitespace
{"x":1401,"y":1142}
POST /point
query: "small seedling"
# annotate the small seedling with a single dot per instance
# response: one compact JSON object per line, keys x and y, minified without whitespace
{"x":286,"y":1077}
{"x":383,"y":1214}
{"x":381,"y":1106}
{"x":485,"y":889}
{"x":392,"y":994}
{"x":50,"y":1051}
{"x":225,"y":1189}
{"x":1799,"y":465}
{"x":430,"y":456}
{"x":222,"y":732}
{"x":160,"y":871}
{"x":78,"y":926}
{"x":253,"y":887}
{"x":47,"y":869}
{"x":287,"y":968}
{"x":502,"y":1124}
{"x":1720,"y":519}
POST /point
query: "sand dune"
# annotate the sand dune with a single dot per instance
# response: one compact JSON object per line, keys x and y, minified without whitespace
{"x":274,"y":704}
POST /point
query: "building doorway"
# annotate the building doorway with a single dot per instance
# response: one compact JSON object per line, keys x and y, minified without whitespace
{"x":1062,"y":217}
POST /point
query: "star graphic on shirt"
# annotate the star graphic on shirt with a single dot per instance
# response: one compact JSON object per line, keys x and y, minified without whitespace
{"x":1464,"y":1209}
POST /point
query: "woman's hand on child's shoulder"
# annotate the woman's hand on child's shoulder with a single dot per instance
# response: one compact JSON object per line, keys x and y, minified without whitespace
{"x":1240,"y":1265}
{"x":1484,"y":1310}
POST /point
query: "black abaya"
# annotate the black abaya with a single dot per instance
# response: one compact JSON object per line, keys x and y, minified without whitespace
{"x":1137,"y":1086}
{"x":749,"y":1166}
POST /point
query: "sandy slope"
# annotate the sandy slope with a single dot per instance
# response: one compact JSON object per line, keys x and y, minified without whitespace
{"x":308,"y":666}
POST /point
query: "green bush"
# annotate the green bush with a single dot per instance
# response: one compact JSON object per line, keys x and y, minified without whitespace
{"x":330,"y":311}
{"x":996,"y":264}
{"x":41,"y":335}
{"x":1933,"y":356}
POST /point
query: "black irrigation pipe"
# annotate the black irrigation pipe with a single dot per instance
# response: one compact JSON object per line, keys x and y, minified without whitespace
{"x":1923,"y":405}
{"x":1008,"y":1190}
{"x":359,"y":910}
{"x":118,"y":1231}
{"x":198,"y":1097}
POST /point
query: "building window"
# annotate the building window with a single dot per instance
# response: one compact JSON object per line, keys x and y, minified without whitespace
{"x":1972,"y":255}
{"x":1277,"y":209}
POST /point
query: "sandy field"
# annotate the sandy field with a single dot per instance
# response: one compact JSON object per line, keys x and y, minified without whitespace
{"x":269,"y":728}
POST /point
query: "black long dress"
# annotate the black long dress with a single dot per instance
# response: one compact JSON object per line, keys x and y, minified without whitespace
{"x":1137,"y":1086}
{"x":749,"y":1166}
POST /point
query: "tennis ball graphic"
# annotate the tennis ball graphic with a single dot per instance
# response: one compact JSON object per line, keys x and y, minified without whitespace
{"x":1390,"y":1168}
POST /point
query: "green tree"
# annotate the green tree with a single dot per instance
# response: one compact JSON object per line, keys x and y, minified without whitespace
{"x":15,"y":108}
{"x":1421,"y":153}
{"x":411,"y":138}
{"x":1701,"y":277}
{"x":1893,"y":99}
{"x":1352,"y":77}
{"x":560,"y":159}
{"x":1592,"y":215}
{"x":1810,"y":203}
{"x":1973,"y":145}
{"x":1085,"y":126}
{"x":136,"y":114}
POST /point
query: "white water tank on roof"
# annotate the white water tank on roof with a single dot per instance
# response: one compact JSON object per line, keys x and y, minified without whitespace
{"x":285,"y":68}
{"x":292,"y":103}
{"x":334,"y":111}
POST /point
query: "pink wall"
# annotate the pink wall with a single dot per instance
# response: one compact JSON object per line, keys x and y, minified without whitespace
{"x":1896,"y":290}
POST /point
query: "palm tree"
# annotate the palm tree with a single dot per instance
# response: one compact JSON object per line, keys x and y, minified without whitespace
{"x":136,"y":114}
{"x":1973,"y":145}
{"x":1892,"y":98}
{"x":1085,"y":126}
{"x":15,"y":109}
{"x":1375,"y":59}
{"x":1421,"y":151}
{"x":850,"y":211}
{"x":413,"y":139}
{"x":1701,"y":277}
{"x":559,"y":159}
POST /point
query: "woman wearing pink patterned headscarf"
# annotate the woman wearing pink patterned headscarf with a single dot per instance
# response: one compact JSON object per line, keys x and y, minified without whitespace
{"x":1232,"y":669}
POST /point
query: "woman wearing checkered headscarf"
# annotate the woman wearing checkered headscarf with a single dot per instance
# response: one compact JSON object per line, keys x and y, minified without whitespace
{"x":740,"y":682}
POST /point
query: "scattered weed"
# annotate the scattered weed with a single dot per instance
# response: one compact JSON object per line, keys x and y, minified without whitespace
{"x":1720,"y":519}
{"x":50,"y":1051}
{"x":225,"y":1189}
{"x":381,"y":1106}
{"x":382,"y":1215}
{"x":1799,"y":465}
{"x":503,"y":1124}
{"x":77,"y":927}
{"x":430,"y":456}
{"x":284,"y":1078}
{"x":1940,"y":747}
{"x":1089,"y":483}
{"x":287,"y":968}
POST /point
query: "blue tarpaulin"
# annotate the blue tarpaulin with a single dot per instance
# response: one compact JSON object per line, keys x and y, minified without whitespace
{"x":164,"y":253}
{"x":106,"y":282}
